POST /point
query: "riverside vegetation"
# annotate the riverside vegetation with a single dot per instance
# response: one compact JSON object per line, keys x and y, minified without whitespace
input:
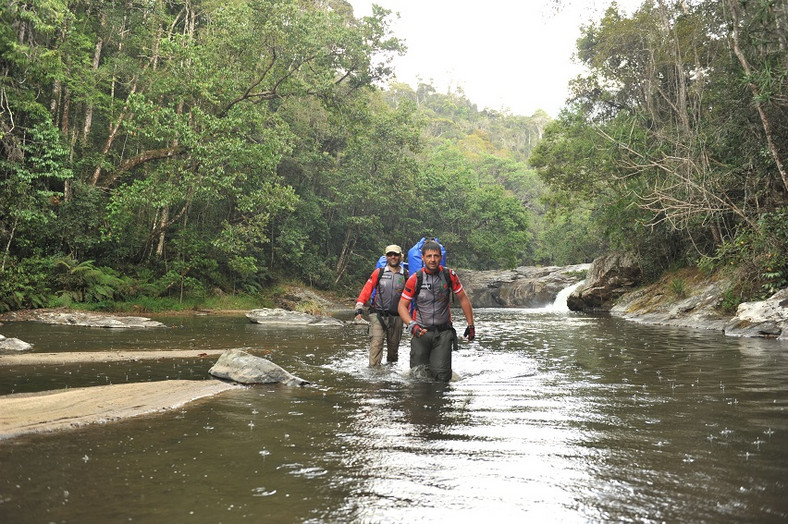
{"x":163,"y":155}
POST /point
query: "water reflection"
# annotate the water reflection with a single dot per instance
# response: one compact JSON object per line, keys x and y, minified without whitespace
{"x":555,"y":417}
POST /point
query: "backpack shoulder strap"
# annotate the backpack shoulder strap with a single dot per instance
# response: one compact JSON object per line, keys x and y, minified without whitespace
{"x":380,"y":274}
{"x":447,"y":276}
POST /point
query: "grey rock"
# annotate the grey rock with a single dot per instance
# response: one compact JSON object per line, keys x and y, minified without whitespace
{"x":94,"y":320}
{"x":13,"y":344}
{"x":609,"y":277}
{"x":282,"y":317}
{"x":702,"y":309}
{"x":698,"y":311}
{"x":765,"y":318}
{"x":242,"y":367}
{"x":525,"y":286}
{"x":301,"y":298}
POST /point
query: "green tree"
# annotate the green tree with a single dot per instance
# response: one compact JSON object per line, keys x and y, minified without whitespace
{"x":30,"y":190}
{"x":660,"y":136}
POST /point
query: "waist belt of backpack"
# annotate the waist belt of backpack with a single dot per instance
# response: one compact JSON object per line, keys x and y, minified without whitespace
{"x":439,"y":328}
{"x":383,"y":315}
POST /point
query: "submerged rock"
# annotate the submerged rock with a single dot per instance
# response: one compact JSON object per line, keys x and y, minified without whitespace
{"x":13,"y":344}
{"x":283,"y":317}
{"x":242,"y":367}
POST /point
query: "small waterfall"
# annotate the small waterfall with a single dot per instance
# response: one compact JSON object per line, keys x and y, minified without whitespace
{"x":559,"y":304}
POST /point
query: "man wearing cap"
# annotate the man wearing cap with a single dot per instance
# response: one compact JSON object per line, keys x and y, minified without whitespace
{"x":384,"y":321}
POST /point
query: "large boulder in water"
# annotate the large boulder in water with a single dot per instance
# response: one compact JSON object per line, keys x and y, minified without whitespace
{"x":13,"y":344}
{"x":242,"y":367}
{"x":609,"y":277}
{"x":281,"y":317}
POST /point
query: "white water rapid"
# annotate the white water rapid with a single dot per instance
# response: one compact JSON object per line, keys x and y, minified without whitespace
{"x":559,"y":305}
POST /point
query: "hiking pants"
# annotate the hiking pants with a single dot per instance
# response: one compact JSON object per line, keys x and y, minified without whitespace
{"x":392,"y":334}
{"x":432,"y":350}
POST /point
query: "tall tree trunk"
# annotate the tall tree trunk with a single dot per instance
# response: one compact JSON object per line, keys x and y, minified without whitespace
{"x":679,"y":103}
{"x":8,"y":244}
{"x":113,"y":131}
{"x":115,"y":126}
{"x":54,"y":102}
{"x":89,"y":108}
{"x":64,"y":119}
{"x":162,"y":226}
{"x":344,"y":256}
{"x":765,"y":121}
{"x":9,"y":140}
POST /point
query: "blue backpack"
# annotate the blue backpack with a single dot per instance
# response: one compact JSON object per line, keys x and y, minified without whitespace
{"x":414,"y":255}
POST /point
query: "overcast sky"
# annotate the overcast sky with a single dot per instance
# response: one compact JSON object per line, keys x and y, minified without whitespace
{"x":513,"y":55}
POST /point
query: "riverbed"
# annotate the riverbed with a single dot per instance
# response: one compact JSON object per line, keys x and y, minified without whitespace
{"x":553,"y":417}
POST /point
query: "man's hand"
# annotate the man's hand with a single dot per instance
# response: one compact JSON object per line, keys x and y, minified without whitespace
{"x":415,"y":329}
{"x":470,"y":333}
{"x":359,"y":313}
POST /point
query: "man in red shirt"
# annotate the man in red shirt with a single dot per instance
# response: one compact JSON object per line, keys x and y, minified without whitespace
{"x":433,"y":334}
{"x":384,"y":320}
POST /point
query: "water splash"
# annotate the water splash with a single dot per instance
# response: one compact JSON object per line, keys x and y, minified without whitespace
{"x":559,"y":305}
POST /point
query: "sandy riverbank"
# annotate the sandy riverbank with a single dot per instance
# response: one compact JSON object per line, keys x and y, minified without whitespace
{"x":24,"y":413}
{"x":22,"y":359}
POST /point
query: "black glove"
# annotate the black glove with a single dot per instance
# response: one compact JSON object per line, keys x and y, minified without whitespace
{"x":416,"y":329}
{"x":470,"y":332}
{"x":359,"y":312}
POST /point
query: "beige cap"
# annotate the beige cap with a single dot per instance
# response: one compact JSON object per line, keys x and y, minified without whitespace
{"x":393,"y":248}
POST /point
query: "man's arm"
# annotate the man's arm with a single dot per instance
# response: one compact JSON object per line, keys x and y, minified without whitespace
{"x":465,"y":304}
{"x":366,"y":292}
{"x":467,"y":310}
{"x":403,"y":308}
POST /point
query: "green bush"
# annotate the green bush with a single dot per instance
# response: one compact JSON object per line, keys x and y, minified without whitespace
{"x":758,"y":255}
{"x":24,"y":284}
{"x":83,"y":282}
{"x":678,"y":287}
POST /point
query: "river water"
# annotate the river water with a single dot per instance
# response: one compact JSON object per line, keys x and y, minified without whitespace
{"x":554,"y":417}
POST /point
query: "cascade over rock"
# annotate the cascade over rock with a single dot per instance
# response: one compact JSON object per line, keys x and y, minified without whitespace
{"x":525,"y":286}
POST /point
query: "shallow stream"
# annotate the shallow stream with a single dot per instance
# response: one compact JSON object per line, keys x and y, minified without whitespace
{"x":554,"y":417}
